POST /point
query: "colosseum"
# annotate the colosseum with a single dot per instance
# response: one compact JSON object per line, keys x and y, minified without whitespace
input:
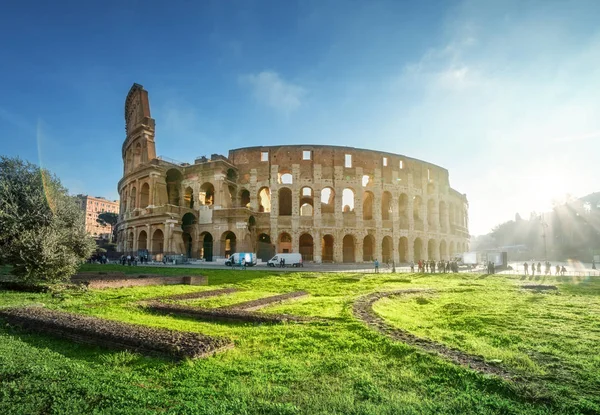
{"x":329,"y":203}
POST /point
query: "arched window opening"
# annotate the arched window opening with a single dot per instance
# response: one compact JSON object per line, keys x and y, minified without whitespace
{"x":245,"y":198}
{"x":348,"y":200}
{"x":285,"y":202}
{"x":285,"y":243}
{"x":228,"y":242}
{"x":368,"y":248}
{"x":158,"y":240}
{"x":368,"y":206}
{"x":265,"y":249}
{"x":142,"y":241}
{"x":232,"y":175}
{"x":137,"y":155}
{"x":417,"y":204}
{"x":366,"y":180}
{"x":327,"y":200}
{"x":306,"y":247}
{"x":403,"y":249}
{"x":327,"y":248}
{"x":418,"y":250}
{"x":145,"y":196}
{"x":264,"y":200}
{"x":132,"y":199}
{"x":306,"y":202}
{"x":386,"y":206}
{"x":207,"y":194}
{"x":174,"y":178}
{"x":386,"y":250}
{"x":206,"y":252}
{"x":432,"y":250}
{"x":431,"y":213}
{"x":286,"y":178}
{"x":188,"y":198}
{"x":348,"y":248}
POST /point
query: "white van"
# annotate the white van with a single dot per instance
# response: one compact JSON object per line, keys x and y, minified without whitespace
{"x":236,"y":258}
{"x":294,"y":260}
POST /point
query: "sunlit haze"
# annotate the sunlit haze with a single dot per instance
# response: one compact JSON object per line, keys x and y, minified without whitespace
{"x":502,"y":94}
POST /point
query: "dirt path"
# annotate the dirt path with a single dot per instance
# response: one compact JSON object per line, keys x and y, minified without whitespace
{"x":363,"y":310}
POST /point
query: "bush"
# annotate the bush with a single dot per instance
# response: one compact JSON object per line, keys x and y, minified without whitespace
{"x":42,"y":228}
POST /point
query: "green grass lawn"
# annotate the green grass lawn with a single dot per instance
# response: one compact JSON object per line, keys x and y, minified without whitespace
{"x":549,"y":340}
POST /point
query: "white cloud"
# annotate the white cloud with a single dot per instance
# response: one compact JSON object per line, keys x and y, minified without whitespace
{"x":270,"y":89}
{"x":518,"y":97}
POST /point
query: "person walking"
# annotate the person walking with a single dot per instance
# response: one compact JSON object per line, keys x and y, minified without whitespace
{"x":376,"y":266}
{"x":526,"y":268}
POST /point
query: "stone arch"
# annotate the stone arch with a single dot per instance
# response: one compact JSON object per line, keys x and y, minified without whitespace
{"x":327,"y":248}
{"x":187,"y":244}
{"x":228,"y":243}
{"x":403,"y":210}
{"x":206,"y":251}
{"x":265,"y":249}
{"x":348,"y":200}
{"x":285,"y":177}
{"x":368,"y":200}
{"x":442,"y":215}
{"x":145,"y":196}
{"x":432,"y":249}
{"x":285,"y":201}
{"x":306,"y":246}
{"x":306,"y":201}
{"x":284,"y":243}
{"x":244,"y":198}
{"x":417,"y":204}
{"x":188,"y":221}
{"x":129,"y":241}
{"x":132,"y":198}
{"x":158,"y":242}
{"x":142,"y":241}
{"x":403,"y":249}
{"x":386,"y":206}
{"x":443,"y":253}
{"x":264,"y":199}
{"x":207,"y":194}
{"x":451,"y":214}
{"x":232,"y":175}
{"x":348,"y":246}
{"x":431,"y":214}
{"x":366,"y":180}
{"x":387,"y":249}
{"x":418,"y":249}
{"x":368,"y":248}
{"x":174,"y":178}
{"x":327,"y":200}
{"x":188,"y":198}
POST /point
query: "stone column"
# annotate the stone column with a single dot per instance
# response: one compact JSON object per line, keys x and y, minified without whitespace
{"x":317,"y":246}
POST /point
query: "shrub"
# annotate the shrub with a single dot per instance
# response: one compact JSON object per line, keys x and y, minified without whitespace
{"x":42,"y":229}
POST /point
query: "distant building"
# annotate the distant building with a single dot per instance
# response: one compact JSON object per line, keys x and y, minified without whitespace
{"x":93,"y":206}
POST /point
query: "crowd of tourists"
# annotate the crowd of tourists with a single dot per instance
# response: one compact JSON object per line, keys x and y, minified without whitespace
{"x":442,"y":266}
{"x":560,"y":270}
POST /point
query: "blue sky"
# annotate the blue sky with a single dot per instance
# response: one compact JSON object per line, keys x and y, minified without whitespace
{"x":504,"y":94}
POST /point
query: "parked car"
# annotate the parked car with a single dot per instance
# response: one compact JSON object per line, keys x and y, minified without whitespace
{"x":291,"y":259}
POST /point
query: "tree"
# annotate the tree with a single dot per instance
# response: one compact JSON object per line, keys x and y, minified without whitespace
{"x":108,"y":218}
{"x":42,"y":229}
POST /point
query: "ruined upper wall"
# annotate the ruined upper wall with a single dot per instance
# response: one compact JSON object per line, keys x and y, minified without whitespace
{"x":329,"y":157}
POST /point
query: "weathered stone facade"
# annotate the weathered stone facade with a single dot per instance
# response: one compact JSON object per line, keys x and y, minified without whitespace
{"x":330,"y":203}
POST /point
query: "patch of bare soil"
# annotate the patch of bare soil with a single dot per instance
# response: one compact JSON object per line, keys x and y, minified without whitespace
{"x":114,"y":334}
{"x":265,"y":301}
{"x":223,"y":314}
{"x":539,"y":287}
{"x":363,"y":310}
{"x":196,"y":295}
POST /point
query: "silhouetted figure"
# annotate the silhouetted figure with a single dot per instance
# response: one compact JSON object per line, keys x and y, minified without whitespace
{"x":526,"y":268}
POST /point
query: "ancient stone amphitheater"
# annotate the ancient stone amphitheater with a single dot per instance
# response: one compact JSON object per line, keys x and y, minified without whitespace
{"x":330,"y":203}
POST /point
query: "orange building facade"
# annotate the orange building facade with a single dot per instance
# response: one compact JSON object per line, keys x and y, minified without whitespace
{"x":94,"y":206}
